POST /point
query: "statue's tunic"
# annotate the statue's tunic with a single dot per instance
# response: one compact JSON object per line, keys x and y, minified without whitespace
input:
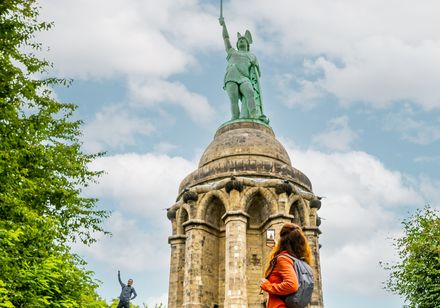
{"x":239,"y":66}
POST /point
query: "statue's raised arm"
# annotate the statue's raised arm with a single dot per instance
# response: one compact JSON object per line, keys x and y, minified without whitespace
{"x":242,"y":78}
{"x":225,"y":34}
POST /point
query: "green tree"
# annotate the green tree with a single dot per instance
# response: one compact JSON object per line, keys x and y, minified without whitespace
{"x":416,"y":277}
{"x":42,"y":174}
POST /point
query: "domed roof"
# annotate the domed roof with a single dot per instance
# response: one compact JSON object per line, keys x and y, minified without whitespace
{"x":244,"y":138}
{"x":245,"y":149}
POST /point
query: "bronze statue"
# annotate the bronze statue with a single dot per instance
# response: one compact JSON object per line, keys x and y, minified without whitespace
{"x":242,"y":78}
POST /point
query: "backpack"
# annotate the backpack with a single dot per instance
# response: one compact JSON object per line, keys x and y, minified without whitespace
{"x":302,"y":297}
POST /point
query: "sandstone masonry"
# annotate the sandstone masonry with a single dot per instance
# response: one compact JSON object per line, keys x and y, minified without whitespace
{"x":244,"y":185}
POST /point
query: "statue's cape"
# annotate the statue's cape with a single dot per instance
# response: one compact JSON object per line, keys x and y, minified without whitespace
{"x":255,"y":81}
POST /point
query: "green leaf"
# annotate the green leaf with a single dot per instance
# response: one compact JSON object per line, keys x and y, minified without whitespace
{"x":42,"y":174}
{"x":417,"y":276}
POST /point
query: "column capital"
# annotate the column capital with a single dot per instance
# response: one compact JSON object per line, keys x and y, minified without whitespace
{"x":235,"y":215}
{"x":314,"y":230}
{"x":176,"y":239}
{"x":280,"y":216}
{"x":276,"y":219}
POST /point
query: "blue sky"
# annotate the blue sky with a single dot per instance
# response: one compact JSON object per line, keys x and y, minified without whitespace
{"x":350,"y":87}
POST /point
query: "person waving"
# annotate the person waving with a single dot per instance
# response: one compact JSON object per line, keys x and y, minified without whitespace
{"x":126,"y":292}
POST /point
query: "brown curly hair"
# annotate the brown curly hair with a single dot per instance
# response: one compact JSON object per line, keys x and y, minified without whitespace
{"x":293,"y":240}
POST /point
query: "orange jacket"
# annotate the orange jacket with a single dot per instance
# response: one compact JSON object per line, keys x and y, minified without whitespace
{"x":282,"y":281}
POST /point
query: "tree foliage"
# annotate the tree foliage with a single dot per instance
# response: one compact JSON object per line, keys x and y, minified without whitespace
{"x":417,"y":275}
{"x":42,"y":174}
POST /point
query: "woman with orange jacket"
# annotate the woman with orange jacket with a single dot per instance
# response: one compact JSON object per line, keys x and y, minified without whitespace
{"x":280,"y":275}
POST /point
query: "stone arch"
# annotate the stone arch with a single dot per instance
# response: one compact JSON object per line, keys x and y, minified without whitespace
{"x":259,"y":203}
{"x":266,"y":194}
{"x":214,"y":211}
{"x":297,"y":213}
{"x":206,"y":199}
{"x":299,"y":210}
{"x":212,"y":234}
{"x":257,"y":210}
{"x":292,"y":199}
{"x":187,"y":208}
{"x":182,"y":217}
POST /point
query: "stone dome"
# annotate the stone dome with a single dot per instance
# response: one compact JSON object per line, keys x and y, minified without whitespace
{"x":245,"y":149}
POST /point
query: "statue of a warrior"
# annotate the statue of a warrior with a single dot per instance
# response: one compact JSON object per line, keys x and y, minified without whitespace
{"x":242,"y":78}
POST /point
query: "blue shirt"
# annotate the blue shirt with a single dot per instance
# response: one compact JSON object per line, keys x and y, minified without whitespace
{"x":126,"y":291}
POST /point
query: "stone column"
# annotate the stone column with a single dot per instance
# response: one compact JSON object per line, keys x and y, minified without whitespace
{"x":312,"y":235}
{"x":175,"y":295}
{"x":235,"y":258}
{"x":192,"y":282}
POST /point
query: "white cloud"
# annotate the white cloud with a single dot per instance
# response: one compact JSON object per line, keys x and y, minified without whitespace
{"x":385,"y":70}
{"x":140,"y":187}
{"x":164,"y":147}
{"x":104,"y":38}
{"x":152,"y":301}
{"x":135,"y":40}
{"x":359,"y":263}
{"x":298,"y":92}
{"x":320,"y":26}
{"x":413,"y":130}
{"x":430,"y":189}
{"x":377,"y":71}
{"x":155,"y":92}
{"x":114,"y":127}
{"x":372,"y":52}
{"x":338,"y":135}
{"x":362,"y":199}
{"x":129,"y":241}
{"x":356,"y":174}
{"x":141,"y":184}
{"x":366,"y":51}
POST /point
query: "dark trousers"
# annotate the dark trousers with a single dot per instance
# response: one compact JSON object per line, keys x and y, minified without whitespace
{"x":123,"y":304}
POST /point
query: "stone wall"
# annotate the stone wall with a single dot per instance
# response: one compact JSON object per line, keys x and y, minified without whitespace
{"x":219,"y":241}
{"x":255,"y":255}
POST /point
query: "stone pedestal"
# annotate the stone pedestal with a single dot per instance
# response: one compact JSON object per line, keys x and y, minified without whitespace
{"x":244,"y":185}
